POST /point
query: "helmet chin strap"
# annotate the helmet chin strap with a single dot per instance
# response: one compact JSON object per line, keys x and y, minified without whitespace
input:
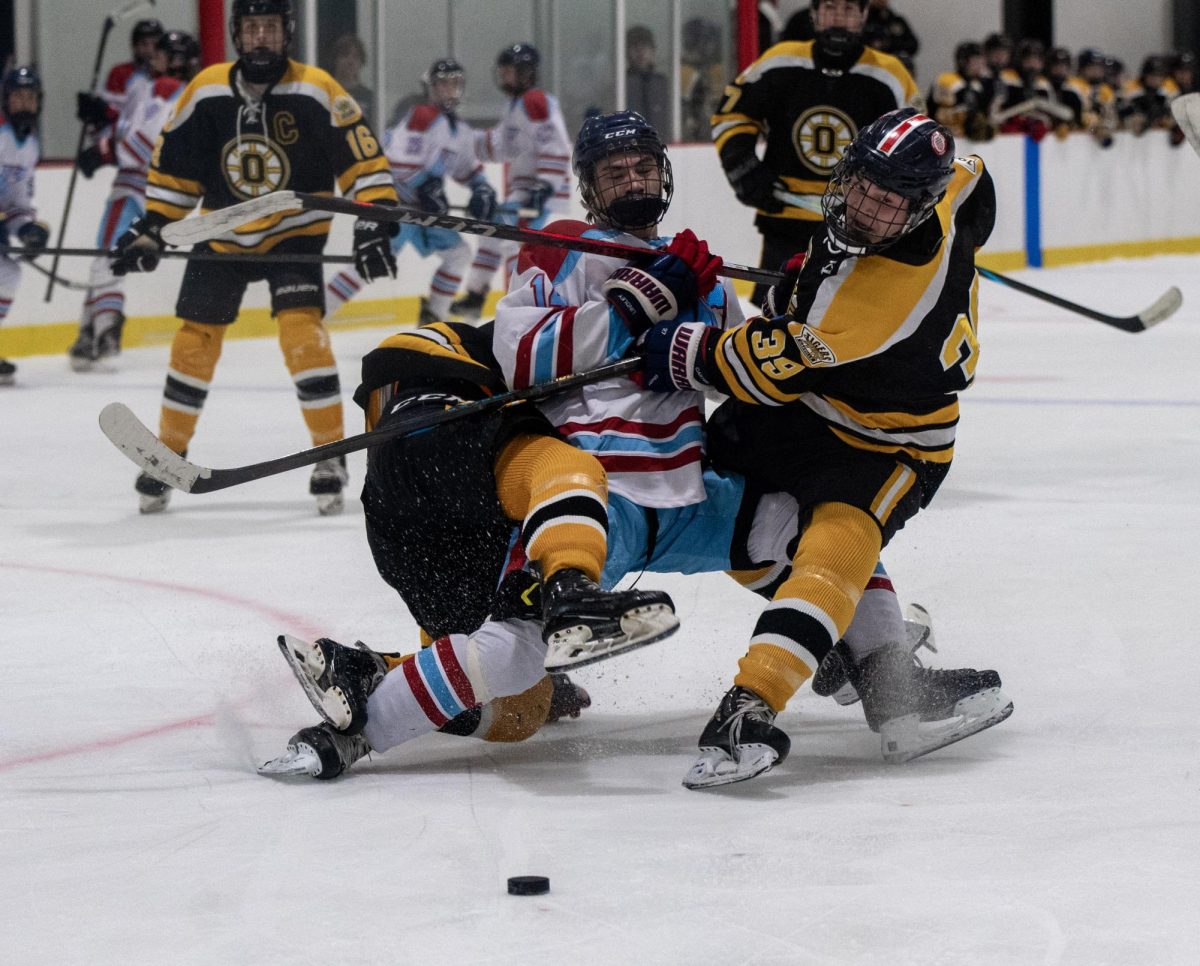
{"x":262,"y":66}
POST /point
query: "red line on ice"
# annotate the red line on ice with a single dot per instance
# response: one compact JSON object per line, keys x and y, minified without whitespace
{"x":300,"y":625}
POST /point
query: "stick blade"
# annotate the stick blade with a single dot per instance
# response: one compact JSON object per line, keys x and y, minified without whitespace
{"x":215,"y":224}
{"x":145,"y":450}
{"x":1166,"y":306}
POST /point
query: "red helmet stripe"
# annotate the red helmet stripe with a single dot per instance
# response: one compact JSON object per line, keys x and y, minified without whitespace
{"x":902,"y":130}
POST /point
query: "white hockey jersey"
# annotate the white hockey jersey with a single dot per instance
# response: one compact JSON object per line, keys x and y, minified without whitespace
{"x":427,"y":140}
{"x":554,"y":321}
{"x":146,"y":110}
{"x":532,"y":139}
{"x":18,"y":160}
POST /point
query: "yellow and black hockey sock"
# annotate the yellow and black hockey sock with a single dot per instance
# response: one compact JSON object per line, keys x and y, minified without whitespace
{"x":813,"y":607}
{"x":561,"y":494}
{"x":194,"y":354}
{"x":309,"y":357}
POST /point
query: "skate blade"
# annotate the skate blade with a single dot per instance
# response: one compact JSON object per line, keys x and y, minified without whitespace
{"x":153,"y":504}
{"x":573,"y":647}
{"x":906,"y":738}
{"x":298,"y":760}
{"x":846,"y":695}
{"x":307,"y":662}
{"x":330,"y":504}
{"x":716,"y":767}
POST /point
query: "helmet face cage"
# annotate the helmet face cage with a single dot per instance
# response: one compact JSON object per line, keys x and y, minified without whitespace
{"x":262,"y":66}
{"x":445,"y":83}
{"x":624,"y":174}
{"x":525,"y":59}
{"x":888,"y":181}
{"x":182,"y":54}
{"x":17,"y":79}
{"x":837,"y":41}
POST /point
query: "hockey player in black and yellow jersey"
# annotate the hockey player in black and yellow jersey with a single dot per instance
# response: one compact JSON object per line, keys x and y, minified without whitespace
{"x":807,"y":100}
{"x":242,"y":130}
{"x":845,"y":396}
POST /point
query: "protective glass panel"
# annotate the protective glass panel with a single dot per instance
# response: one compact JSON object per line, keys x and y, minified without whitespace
{"x":649,"y":87}
{"x":706,"y":63}
{"x":479,"y":31}
{"x":584,"y":49}
{"x":347,"y":47}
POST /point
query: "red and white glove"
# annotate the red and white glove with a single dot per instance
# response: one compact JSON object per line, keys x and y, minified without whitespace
{"x":704,"y":265}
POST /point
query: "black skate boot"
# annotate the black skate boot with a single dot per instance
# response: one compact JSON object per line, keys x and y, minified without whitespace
{"x":739,"y":743}
{"x":8,"y":373}
{"x":584,"y":624}
{"x":917,"y":710}
{"x":329,"y":478}
{"x":108,"y":342}
{"x":319,"y":752}
{"x":153,"y":495}
{"x":469,"y":307}
{"x":337,"y":679}
{"x":833,"y":679}
{"x":426,"y":315}
{"x":568,"y":700}
{"x":84,"y":354}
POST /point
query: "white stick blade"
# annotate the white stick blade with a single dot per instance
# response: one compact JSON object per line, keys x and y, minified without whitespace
{"x":223,"y":221}
{"x":128,"y":434}
{"x":1186,"y":109}
{"x":1167,"y":305}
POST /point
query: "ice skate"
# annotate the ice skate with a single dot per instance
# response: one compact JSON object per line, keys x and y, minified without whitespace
{"x":328,"y":479}
{"x":426,"y":315}
{"x":568,"y":699}
{"x":83,"y":354}
{"x":108,"y":342}
{"x":153,"y":495}
{"x":917,"y":710}
{"x":469,"y":307}
{"x":337,"y":679}
{"x":832,"y":678}
{"x":8,"y":373}
{"x":739,"y":743}
{"x":319,"y":752}
{"x":584,"y":624}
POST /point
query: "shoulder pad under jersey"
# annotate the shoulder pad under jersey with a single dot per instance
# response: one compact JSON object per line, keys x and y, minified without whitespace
{"x":536,"y":105}
{"x":421,"y":117}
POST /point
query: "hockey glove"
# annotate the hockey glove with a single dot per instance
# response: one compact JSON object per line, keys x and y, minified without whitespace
{"x":645,"y":296}
{"x":675,"y":356}
{"x":373,"y":255}
{"x":756,"y":185}
{"x":431,"y":196}
{"x":539,"y":196}
{"x":483,"y":201}
{"x":92,"y":159}
{"x":781,"y":295}
{"x":35,"y":236}
{"x":92,"y":109}
{"x":700,"y":260}
{"x":139,"y":249}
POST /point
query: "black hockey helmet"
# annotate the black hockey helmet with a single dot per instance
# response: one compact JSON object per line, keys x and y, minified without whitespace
{"x":448,"y":74}
{"x":183,"y":54}
{"x":1089,"y":57}
{"x":262,"y":66}
{"x":1030,"y":49}
{"x":526,"y":59}
{"x":1155,"y":65}
{"x":146,"y":30}
{"x":963,"y":54}
{"x":22,"y":79}
{"x":627,"y":133}
{"x":903,"y":153}
{"x":837,"y":42}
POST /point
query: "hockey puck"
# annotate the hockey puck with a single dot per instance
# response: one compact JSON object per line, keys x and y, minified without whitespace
{"x":528,"y":885}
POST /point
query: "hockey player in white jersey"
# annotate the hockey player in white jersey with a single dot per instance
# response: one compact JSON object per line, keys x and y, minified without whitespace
{"x":532,"y":140}
{"x":19,"y":153}
{"x":431,"y":143}
{"x":130,"y":146}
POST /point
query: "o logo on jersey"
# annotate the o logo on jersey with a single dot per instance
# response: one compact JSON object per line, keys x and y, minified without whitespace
{"x":254,"y":166}
{"x":820,"y":137}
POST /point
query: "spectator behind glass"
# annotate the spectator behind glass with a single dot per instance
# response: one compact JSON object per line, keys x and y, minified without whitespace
{"x":702,"y":77}
{"x":349,"y":57}
{"x":646,"y":90}
{"x":890,"y":32}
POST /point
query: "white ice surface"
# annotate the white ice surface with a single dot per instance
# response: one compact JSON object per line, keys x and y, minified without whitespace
{"x":141,"y":685}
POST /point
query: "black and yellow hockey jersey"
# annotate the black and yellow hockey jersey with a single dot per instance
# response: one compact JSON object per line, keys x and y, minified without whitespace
{"x":808,"y":109}
{"x":448,"y":357}
{"x":221,"y":148}
{"x":877,"y":346}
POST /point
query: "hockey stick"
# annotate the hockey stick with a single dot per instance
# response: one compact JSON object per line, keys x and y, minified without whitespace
{"x":279,"y":258}
{"x":215,"y":224}
{"x":109,"y":22}
{"x":1035,"y":105}
{"x":58,"y":279}
{"x":126,"y":432}
{"x":1163,"y":308}
{"x":1186,"y":108}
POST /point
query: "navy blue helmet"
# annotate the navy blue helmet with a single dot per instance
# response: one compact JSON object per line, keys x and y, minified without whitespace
{"x":183,"y":54}
{"x":904,"y":153}
{"x":526,"y":59}
{"x":146,"y":29}
{"x":448,"y":76}
{"x":22,"y":78}
{"x":626,"y":136}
